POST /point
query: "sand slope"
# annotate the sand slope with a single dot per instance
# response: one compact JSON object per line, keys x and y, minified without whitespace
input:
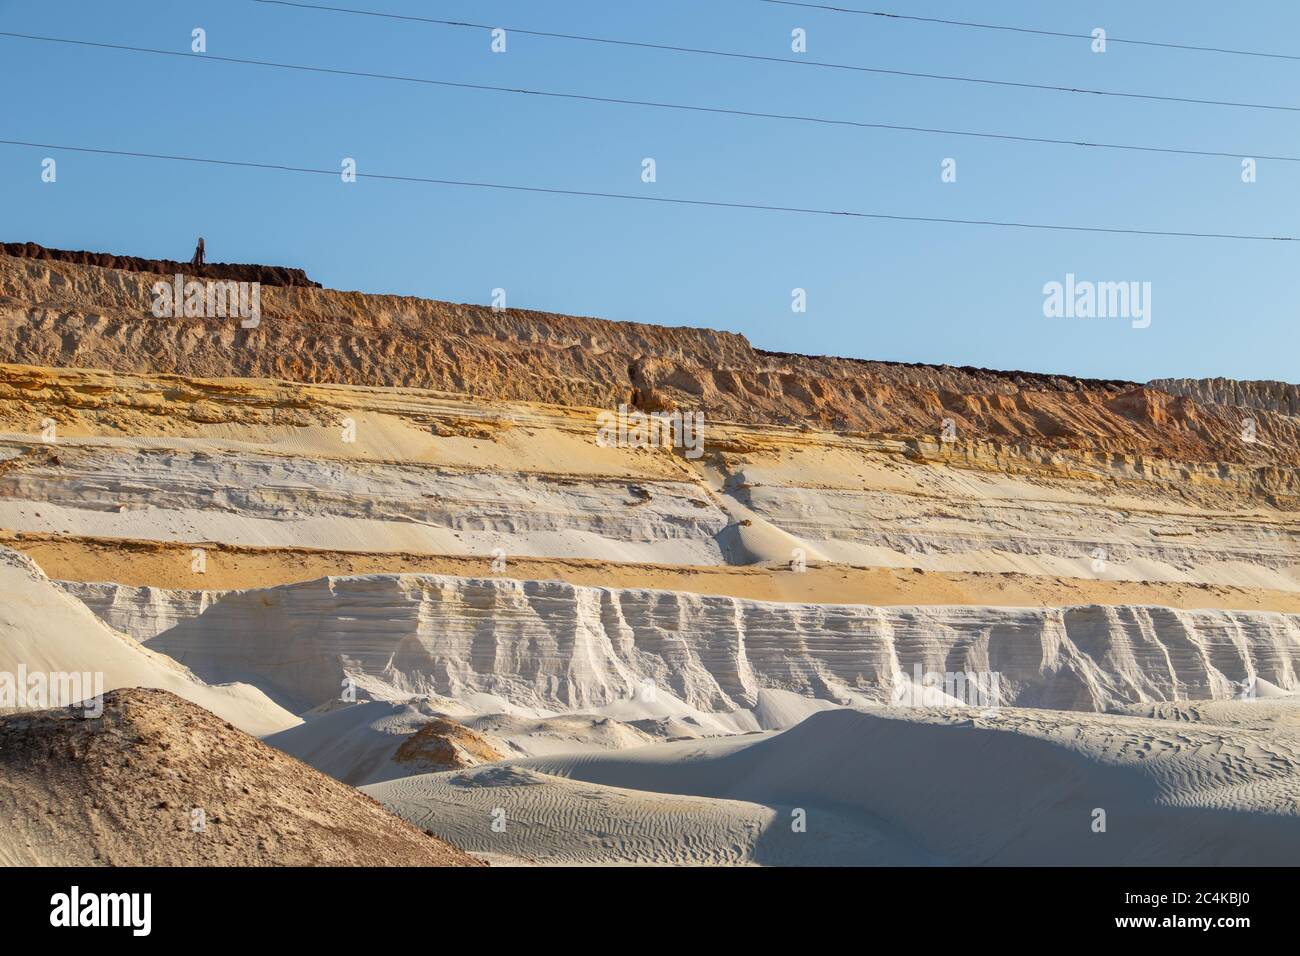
{"x":546,"y":819}
{"x":44,"y":630}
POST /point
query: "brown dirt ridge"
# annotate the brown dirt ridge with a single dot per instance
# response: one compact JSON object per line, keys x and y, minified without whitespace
{"x":121,"y":790}
{"x":240,"y":272}
{"x":67,"y":315}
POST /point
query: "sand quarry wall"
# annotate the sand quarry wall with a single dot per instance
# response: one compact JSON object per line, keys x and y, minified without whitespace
{"x":72,"y":315}
{"x":559,"y":646}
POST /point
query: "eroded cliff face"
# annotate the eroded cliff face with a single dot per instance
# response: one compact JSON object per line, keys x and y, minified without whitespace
{"x":1048,"y":476}
{"x":1280,"y":397}
{"x":70,"y":315}
{"x":558,"y":646}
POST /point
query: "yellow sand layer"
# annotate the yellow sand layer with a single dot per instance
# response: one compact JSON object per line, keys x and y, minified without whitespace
{"x":168,"y":565}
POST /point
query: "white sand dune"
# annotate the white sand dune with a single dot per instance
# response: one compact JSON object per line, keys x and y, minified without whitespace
{"x":361,"y":743}
{"x":551,"y":820}
{"x":1023,"y":787}
{"x":45,"y":631}
{"x":564,"y":733}
{"x":1261,"y":705}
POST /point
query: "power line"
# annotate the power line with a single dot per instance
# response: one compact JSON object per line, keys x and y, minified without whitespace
{"x":719,"y":204}
{"x":655,"y":104}
{"x":1047,"y":33}
{"x":777,"y":59}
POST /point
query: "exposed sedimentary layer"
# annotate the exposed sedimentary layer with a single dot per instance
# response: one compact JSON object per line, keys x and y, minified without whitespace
{"x":922,"y":516}
{"x":557,"y":647}
{"x":62,"y":314}
{"x":249,"y":498}
{"x":150,"y":563}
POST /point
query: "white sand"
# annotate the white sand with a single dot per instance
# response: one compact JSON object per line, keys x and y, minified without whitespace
{"x":357,"y":742}
{"x":43,"y":630}
{"x":1019,"y":788}
{"x":550,"y":820}
{"x":830,"y":503}
{"x":549,"y":647}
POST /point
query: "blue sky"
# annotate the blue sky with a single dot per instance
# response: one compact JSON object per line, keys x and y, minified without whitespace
{"x":898,"y":291}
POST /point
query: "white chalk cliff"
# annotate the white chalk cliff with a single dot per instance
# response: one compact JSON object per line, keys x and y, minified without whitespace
{"x":556,"y":646}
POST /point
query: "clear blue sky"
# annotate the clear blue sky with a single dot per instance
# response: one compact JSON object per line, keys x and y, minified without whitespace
{"x":897,"y":291}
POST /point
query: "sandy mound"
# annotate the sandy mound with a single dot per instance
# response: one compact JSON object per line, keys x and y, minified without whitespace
{"x":443,"y":744}
{"x":1260,"y":705}
{"x":45,"y":632}
{"x":123,"y":790}
{"x":372,"y":741}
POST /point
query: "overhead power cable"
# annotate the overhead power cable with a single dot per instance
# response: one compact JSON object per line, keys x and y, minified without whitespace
{"x":822,"y":64}
{"x":655,"y":104}
{"x":1030,"y":30}
{"x":632,"y":197}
